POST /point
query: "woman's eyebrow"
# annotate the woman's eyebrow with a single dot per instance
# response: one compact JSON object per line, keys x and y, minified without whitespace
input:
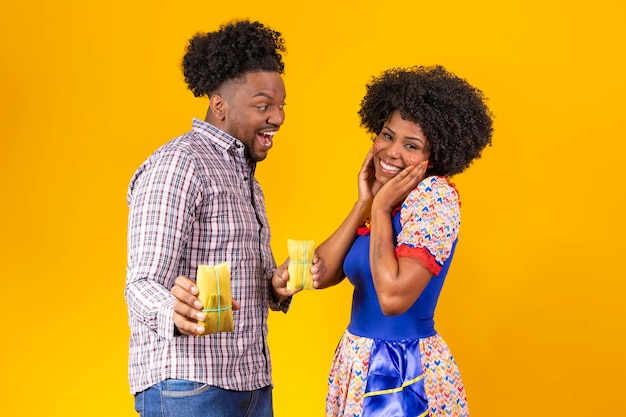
{"x":416,"y":138}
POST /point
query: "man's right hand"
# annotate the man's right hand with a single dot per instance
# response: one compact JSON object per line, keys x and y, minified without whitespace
{"x":187,"y":307}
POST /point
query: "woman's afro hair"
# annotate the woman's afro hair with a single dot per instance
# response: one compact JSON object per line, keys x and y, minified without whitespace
{"x":236,"y":48}
{"x":452,"y":114}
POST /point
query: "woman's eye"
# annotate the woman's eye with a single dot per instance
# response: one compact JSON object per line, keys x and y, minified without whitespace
{"x":387,"y":136}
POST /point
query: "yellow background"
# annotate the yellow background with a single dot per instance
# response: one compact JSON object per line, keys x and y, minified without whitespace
{"x":534,"y":305}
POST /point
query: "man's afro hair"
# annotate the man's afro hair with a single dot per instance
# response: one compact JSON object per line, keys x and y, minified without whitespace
{"x":236,"y":48}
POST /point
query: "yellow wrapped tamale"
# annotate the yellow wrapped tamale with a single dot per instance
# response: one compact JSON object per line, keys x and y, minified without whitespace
{"x":214,"y":293}
{"x":300,"y":261}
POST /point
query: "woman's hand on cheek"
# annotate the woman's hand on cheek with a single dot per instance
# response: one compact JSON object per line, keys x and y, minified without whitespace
{"x":367,"y":178}
{"x":398,"y":188}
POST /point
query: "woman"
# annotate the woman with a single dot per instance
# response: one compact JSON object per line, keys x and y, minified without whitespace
{"x":396,"y":244}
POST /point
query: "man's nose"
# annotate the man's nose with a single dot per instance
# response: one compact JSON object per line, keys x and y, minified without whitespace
{"x":276,"y":117}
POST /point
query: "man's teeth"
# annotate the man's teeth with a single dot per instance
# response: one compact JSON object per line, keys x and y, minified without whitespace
{"x":267,"y":137}
{"x":390,"y":168}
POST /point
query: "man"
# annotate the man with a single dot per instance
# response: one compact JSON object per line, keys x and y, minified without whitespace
{"x":196,"y":201}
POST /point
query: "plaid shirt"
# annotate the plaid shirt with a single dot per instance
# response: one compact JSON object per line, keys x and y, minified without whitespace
{"x":196,"y":201}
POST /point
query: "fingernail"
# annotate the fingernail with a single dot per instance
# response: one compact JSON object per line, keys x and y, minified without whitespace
{"x":197,"y":305}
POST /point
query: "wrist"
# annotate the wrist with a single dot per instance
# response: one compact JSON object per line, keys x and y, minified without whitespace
{"x":378,"y":210}
{"x":275,"y":295}
{"x":276,"y":302}
{"x":362,"y":209}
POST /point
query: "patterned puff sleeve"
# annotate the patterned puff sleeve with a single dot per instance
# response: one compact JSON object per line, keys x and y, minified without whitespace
{"x":430,"y":218}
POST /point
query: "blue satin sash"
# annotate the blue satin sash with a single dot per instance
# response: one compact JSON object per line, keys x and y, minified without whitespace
{"x":395,"y":381}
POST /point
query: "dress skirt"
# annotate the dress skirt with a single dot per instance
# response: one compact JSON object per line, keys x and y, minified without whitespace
{"x":416,"y":378}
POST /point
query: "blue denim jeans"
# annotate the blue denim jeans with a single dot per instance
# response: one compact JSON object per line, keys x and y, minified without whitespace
{"x":180,"y":398}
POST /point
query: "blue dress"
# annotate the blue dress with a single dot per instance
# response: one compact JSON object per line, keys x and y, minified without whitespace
{"x":399,"y":365}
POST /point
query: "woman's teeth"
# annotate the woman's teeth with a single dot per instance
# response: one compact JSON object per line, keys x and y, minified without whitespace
{"x":389,"y":168}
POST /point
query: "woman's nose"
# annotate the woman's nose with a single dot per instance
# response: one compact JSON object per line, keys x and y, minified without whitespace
{"x":394,"y":149}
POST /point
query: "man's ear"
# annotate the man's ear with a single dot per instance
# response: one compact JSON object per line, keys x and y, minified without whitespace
{"x":217,"y":106}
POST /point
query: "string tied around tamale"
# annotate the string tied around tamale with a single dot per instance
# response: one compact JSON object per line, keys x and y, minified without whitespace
{"x":219,"y":302}
{"x":298,"y":262}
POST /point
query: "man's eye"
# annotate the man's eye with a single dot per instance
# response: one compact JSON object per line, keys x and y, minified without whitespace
{"x":262,"y":108}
